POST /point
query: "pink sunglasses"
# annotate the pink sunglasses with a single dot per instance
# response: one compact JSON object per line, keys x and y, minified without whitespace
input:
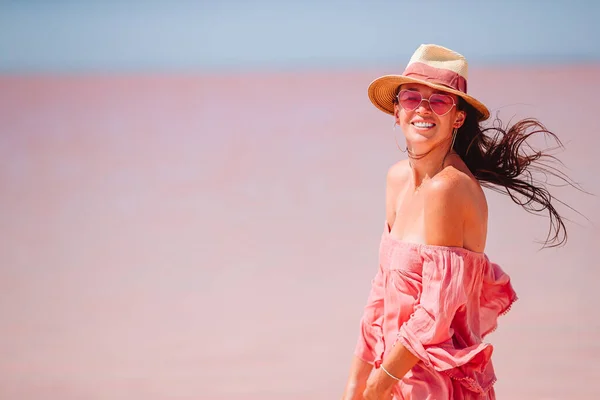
{"x":440,"y":104}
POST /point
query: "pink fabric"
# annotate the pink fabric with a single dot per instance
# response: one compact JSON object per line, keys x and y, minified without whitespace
{"x":439,"y":302}
{"x":436,"y":75}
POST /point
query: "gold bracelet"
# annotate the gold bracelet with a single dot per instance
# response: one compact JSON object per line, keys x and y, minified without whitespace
{"x":386,"y":371}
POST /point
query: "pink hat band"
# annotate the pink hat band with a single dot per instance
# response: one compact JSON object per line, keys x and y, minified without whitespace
{"x":438,"y":76}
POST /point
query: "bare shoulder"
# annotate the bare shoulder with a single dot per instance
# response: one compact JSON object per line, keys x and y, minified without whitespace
{"x":451,"y":184}
{"x":446,"y":196}
{"x":398,"y":173}
{"x":453,"y":199}
{"x":397,"y":177}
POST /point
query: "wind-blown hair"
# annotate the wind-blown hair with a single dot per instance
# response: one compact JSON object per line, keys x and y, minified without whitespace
{"x":502,"y":160}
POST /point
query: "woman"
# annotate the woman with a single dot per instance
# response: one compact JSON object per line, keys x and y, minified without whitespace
{"x":436,"y":295}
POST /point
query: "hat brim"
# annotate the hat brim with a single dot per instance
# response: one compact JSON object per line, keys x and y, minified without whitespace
{"x":382,"y":93}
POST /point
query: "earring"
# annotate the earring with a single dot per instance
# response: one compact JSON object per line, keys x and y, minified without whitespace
{"x":397,"y":145}
{"x":453,"y":137}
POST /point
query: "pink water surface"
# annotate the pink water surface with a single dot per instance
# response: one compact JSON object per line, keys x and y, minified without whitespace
{"x":214,"y":236}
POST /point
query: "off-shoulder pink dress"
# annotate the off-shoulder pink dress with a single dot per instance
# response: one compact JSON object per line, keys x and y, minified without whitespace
{"x":439,"y":302}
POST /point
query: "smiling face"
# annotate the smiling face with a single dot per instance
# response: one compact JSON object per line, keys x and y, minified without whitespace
{"x":422,"y":127}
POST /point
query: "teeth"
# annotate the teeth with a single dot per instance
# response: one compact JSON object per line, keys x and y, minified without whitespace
{"x":423,"y":124}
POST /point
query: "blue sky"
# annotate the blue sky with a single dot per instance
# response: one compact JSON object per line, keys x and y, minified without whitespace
{"x":136,"y":35}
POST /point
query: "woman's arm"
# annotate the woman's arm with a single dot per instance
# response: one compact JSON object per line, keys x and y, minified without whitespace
{"x":357,"y":379}
{"x":368,"y":345}
{"x":396,"y":179}
{"x":398,"y":362}
{"x":360,"y":370}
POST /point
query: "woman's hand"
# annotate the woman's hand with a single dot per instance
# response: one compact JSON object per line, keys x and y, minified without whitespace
{"x":379,"y":386}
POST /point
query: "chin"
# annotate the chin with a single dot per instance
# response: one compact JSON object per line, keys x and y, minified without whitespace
{"x":420,"y":142}
{"x":415,"y":136}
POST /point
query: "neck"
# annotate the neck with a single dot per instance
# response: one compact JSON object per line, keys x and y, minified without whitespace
{"x":426,"y":164}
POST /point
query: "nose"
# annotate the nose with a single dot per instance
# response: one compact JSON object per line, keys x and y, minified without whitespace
{"x":423,"y":106}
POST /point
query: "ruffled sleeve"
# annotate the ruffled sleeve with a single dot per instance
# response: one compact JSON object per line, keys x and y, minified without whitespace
{"x":440,"y":330}
{"x":497,"y":296}
{"x":369,"y":346}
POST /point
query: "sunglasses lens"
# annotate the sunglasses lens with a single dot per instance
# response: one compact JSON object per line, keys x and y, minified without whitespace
{"x":440,"y":103}
{"x":409,"y":100}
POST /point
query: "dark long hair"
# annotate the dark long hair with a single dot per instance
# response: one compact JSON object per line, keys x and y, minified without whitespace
{"x":502,"y":160}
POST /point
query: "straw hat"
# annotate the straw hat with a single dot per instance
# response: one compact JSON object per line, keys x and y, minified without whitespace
{"x":431,"y":65}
